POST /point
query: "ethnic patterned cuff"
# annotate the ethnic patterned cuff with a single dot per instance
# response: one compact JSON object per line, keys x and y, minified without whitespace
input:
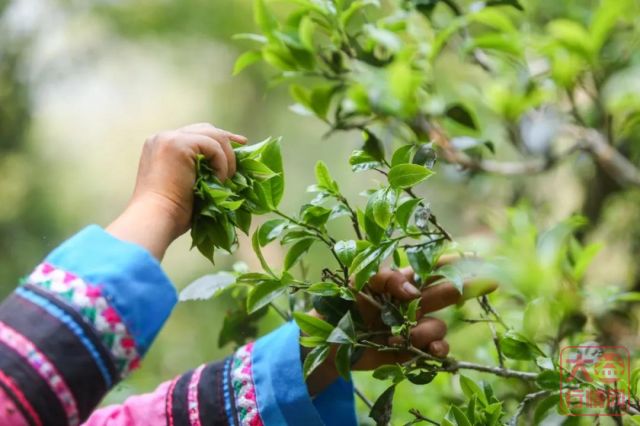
{"x":89,"y":301}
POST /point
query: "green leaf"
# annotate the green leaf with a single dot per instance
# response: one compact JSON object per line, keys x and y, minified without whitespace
{"x":264,"y":293}
{"x":412,"y":309}
{"x":344,"y":332}
{"x":407,"y":175}
{"x":272,"y":158}
{"x":380,"y":207}
{"x":454,"y":275}
{"x":263,"y":17}
{"x":253,"y":278}
{"x":493,"y":414}
{"x":243,"y":220}
{"x":425,"y":156}
{"x":207,"y":286}
{"x":513,"y":3}
{"x":374,"y":232}
{"x":343,"y":361}
{"x":470,"y":388}
{"x":543,"y":408}
{"x":382,"y":408}
{"x":311,"y":341}
{"x":421,"y":376}
{"x":373,"y":146}
{"x":421,"y":260}
{"x":324,"y":179}
{"x":402,"y":155}
{"x":364,"y":259}
{"x":460,"y":114}
{"x":245,"y":60}
{"x":314,"y":359}
{"x":296,"y":252}
{"x":361,"y":161}
{"x":324,"y":289}
{"x":405,"y":210}
{"x":354,"y":8}
{"x":306,"y":32}
{"x":315,"y":215}
{"x":255,"y":243}
{"x":346,"y":251}
{"x":549,"y":380}
{"x":270,"y":230}
{"x":321,"y":100}
{"x":313,"y":326}
{"x":256,"y":169}
{"x":516,"y":346}
{"x":572,"y":35}
{"x":459,"y":416}
{"x":391,"y":372}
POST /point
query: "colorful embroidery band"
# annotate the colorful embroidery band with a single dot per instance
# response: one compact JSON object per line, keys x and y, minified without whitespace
{"x":192,"y":397}
{"x":44,"y":367}
{"x":92,"y":304}
{"x":244,"y":388}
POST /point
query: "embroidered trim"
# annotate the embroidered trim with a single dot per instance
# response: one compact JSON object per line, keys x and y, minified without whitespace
{"x":66,"y":319}
{"x":169,"y":404}
{"x":90,"y":301}
{"x":43,"y":367}
{"x":227,"y":392}
{"x":21,"y":399}
{"x":192,"y":397}
{"x":244,"y":388}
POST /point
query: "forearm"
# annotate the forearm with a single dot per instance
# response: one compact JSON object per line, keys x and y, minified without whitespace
{"x":147,"y":223}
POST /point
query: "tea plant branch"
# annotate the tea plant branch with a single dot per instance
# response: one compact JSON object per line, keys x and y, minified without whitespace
{"x":623,"y":171}
{"x":353,"y":215}
{"x":419,"y":416}
{"x":526,"y":400}
{"x":454,"y":365}
{"x":279,"y":311}
{"x":369,"y":298}
{"x":322,"y":236}
{"x":363,"y":398}
{"x":432,"y":218}
{"x":451,"y":365}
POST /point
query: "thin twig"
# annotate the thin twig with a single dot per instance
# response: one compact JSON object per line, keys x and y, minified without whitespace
{"x":527,"y":399}
{"x":370,"y":299}
{"x":283,"y":315}
{"x":452,"y":365}
{"x":418,"y":415}
{"x":363,"y":398}
{"x":354,"y":216}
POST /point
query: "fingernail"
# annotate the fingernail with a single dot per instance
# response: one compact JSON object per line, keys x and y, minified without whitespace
{"x":410,"y":289}
{"x":436,"y":348}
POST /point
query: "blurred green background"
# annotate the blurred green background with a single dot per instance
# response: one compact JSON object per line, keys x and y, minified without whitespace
{"x":83,"y":83}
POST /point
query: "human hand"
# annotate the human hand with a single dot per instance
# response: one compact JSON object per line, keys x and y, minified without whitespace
{"x":161,"y":206}
{"x":427,"y":336}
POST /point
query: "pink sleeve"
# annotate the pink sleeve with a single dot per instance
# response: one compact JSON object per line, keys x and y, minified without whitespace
{"x":9,"y":411}
{"x":147,"y":409}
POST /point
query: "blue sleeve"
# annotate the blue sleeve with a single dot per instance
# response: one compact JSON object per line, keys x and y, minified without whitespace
{"x":131,"y":279}
{"x":78,"y":324}
{"x":281,"y":391}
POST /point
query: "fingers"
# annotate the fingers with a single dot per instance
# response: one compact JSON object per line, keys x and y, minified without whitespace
{"x":437,"y":297}
{"x":223,"y":138}
{"x":427,"y":331}
{"x":396,"y":283}
{"x":212,"y":131}
{"x":439,"y":348}
{"x":213,"y":151}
